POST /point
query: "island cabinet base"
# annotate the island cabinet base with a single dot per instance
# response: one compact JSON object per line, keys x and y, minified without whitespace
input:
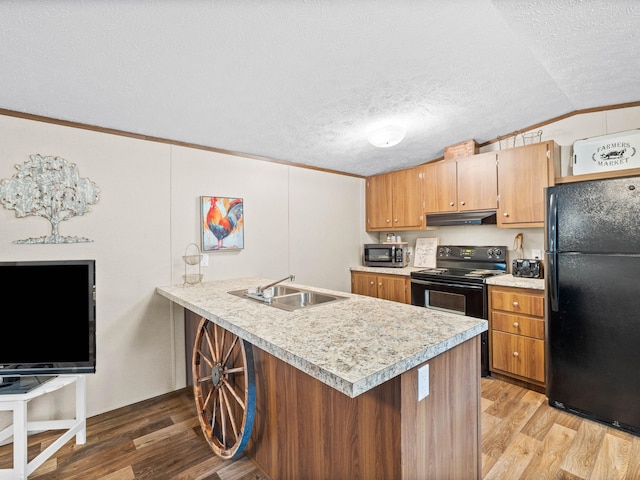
{"x":305,"y":429}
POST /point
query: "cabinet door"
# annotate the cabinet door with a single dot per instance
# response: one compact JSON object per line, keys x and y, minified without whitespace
{"x":522,"y":356}
{"x":523,"y":174}
{"x":364,"y":284}
{"x":393,"y":287}
{"x":407,"y":197}
{"x":478,"y":182}
{"x":440,"y":187}
{"x":379,"y":201}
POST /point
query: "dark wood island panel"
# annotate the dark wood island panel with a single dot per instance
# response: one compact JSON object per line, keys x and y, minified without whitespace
{"x":306,"y":429}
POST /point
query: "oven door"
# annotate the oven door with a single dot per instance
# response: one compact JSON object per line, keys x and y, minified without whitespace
{"x":455,"y":297}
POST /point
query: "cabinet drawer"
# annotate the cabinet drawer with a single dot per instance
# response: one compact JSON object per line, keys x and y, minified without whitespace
{"x":517,"y":302}
{"x":522,"y":356}
{"x":517,"y":324}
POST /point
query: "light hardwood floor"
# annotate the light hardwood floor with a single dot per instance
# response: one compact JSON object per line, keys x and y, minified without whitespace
{"x":158,"y":439}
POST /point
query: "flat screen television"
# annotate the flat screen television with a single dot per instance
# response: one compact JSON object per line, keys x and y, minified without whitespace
{"x":48,"y":324}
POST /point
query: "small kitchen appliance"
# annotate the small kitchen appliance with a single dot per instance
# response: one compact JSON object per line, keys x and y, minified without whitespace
{"x":527,"y":268}
{"x":392,"y":254}
{"x":458,"y":284}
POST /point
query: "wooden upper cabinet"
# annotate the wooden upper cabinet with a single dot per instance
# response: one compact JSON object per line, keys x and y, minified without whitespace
{"x":379,"y":201}
{"x":407,"y":197}
{"x":464,"y":184}
{"x":510,"y":181}
{"x":440,"y":191}
{"x":523,"y":174}
{"x":394,"y":200}
{"x":478,"y":182}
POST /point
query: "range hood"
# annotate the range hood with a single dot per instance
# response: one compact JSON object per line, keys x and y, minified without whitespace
{"x":461,"y":218}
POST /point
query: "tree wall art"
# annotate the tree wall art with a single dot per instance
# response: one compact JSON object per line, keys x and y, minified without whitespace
{"x":49,"y":187}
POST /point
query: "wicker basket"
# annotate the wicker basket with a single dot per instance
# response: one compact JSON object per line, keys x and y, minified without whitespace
{"x":464,"y":149}
{"x":508,"y":140}
{"x":531,"y":137}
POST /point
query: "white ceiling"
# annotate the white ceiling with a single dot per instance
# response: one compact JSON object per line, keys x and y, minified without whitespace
{"x":305,"y":81}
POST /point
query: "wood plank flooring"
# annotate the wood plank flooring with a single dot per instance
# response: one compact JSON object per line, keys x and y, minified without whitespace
{"x":160,"y":439}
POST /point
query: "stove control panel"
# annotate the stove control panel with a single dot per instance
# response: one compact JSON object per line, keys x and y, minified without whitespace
{"x":456,"y":252}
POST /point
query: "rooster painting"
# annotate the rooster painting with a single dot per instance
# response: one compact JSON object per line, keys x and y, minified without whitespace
{"x":223,"y":217}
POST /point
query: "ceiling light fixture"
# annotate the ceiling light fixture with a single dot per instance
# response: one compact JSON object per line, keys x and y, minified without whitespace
{"x":387,"y":136}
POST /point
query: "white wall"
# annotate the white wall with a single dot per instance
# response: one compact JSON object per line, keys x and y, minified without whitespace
{"x":296,"y":220}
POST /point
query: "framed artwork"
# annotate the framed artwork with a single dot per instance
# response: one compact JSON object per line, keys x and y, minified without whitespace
{"x":222,"y":221}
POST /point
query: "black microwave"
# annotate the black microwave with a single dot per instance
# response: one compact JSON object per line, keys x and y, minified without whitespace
{"x":385,"y":254}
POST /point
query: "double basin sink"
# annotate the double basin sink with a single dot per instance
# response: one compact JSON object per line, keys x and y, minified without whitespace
{"x":288,"y":298}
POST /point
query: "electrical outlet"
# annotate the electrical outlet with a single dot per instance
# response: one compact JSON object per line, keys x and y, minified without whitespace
{"x":423,"y":382}
{"x":204,"y":260}
{"x":536,"y":253}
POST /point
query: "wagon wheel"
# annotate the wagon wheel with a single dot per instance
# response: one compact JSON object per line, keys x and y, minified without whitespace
{"x":224,"y":388}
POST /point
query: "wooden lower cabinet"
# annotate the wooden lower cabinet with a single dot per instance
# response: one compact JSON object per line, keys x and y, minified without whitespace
{"x":518,"y":355}
{"x":516,"y":330}
{"x":396,"y":288}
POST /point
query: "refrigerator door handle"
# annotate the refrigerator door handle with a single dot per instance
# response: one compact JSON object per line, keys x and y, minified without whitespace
{"x":552,"y":223}
{"x":552,"y":258}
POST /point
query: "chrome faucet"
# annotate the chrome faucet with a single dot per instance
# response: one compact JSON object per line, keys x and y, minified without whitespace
{"x":262,"y":289}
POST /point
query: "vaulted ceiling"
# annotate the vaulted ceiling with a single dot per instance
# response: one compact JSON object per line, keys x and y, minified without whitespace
{"x":306,"y":81}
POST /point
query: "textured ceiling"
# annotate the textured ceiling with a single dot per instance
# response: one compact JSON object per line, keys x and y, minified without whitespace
{"x":306,"y":81}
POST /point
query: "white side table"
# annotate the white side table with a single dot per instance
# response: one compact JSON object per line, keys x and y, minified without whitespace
{"x":21,"y":427}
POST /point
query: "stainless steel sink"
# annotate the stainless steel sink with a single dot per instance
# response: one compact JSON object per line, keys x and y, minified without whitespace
{"x":290,"y":298}
{"x":279,"y":290}
{"x":304,"y":299}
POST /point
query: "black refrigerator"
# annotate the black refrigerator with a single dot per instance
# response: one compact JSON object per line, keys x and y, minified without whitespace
{"x":592,"y":257}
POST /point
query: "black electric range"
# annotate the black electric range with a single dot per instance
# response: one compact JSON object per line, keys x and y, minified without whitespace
{"x":469,"y":264}
{"x":457,"y":284}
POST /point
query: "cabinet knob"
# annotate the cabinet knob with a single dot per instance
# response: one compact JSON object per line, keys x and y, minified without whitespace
{"x":462,"y":203}
{"x":451,"y":204}
{"x":395,"y":220}
{"x":505,"y":214}
{"x":380,"y":284}
{"x":388,"y":220}
{"x":515,"y":304}
{"x":516,"y":324}
{"x":515,"y":354}
{"x":372,"y":282}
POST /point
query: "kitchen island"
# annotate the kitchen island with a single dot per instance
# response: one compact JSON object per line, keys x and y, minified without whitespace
{"x":337,"y":384}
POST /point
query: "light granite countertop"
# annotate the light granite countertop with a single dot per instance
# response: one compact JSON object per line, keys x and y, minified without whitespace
{"x":405,"y":271}
{"x":509,"y":280}
{"x":352,"y":345}
{"x":506,"y":280}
